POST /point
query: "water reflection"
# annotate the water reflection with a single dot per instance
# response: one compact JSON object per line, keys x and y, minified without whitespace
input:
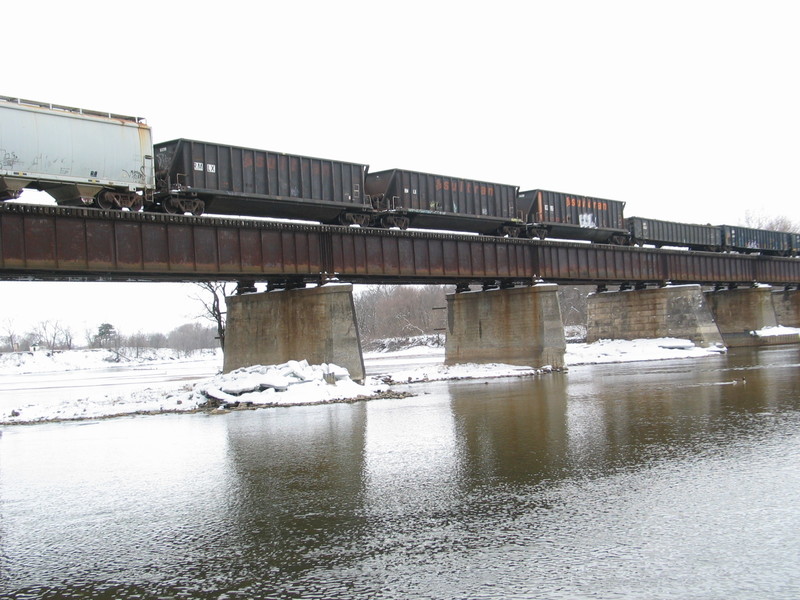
{"x":658,"y":480}
{"x":301,"y":484}
{"x":412,"y":458}
{"x":511,"y":430}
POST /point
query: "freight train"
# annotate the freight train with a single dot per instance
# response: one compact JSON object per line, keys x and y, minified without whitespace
{"x":108,"y":161}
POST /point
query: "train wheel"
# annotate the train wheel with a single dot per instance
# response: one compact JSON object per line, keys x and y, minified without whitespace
{"x":9,"y":195}
{"x":620,"y":240}
{"x":198,"y":208}
{"x":105,"y":200}
{"x":511,"y":231}
{"x":170,"y":207}
{"x":360,"y":219}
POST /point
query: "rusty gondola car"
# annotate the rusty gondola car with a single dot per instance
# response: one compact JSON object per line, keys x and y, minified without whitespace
{"x":571,"y":216}
{"x":197,"y":177}
{"x":405,"y":198}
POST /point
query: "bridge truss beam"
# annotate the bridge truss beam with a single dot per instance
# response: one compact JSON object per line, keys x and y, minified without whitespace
{"x":58,"y":243}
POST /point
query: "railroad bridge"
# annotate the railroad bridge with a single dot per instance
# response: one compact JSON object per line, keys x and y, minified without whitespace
{"x":513,"y":318}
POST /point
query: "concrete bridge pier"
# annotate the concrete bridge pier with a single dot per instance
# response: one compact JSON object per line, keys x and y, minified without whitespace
{"x":671,"y":311}
{"x":518,"y":326}
{"x":317,"y":324}
{"x":787,"y":307}
{"x":742,"y":310}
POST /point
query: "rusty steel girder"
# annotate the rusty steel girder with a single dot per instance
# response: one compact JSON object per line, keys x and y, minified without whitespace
{"x":46,"y":242}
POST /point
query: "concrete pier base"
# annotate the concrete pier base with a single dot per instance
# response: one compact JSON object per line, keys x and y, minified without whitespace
{"x":517,"y":326}
{"x":787,"y":307}
{"x":740,"y":311}
{"x":317,"y":324}
{"x":673,"y":311}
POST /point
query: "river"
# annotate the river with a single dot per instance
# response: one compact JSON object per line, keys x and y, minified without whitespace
{"x":670,"y":479}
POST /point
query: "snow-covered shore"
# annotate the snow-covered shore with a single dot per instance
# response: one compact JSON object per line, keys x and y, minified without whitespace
{"x":292,"y":383}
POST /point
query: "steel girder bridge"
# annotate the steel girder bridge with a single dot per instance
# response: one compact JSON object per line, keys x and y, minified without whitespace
{"x":59,"y":243}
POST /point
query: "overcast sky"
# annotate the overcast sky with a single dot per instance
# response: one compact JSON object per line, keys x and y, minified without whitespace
{"x":687,"y":111}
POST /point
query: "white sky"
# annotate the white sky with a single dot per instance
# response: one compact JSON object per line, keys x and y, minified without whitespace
{"x":686,"y":110}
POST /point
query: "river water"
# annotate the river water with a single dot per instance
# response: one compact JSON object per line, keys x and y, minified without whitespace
{"x":673,"y":479}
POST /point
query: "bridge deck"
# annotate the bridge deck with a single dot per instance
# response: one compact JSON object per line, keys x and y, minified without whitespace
{"x":48,"y":242}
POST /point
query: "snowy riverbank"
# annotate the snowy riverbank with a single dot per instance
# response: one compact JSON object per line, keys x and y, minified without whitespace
{"x":194,"y":383}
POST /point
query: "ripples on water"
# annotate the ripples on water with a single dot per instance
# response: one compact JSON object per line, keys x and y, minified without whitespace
{"x":661,"y":480}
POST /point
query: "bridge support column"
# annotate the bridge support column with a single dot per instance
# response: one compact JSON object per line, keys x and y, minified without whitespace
{"x":672,"y":311}
{"x":740,"y":311}
{"x":787,"y":307}
{"x":317,"y":324}
{"x":517,"y":326}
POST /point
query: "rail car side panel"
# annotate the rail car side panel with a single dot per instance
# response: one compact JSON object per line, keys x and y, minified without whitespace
{"x":441,"y":201}
{"x":668,"y":233}
{"x":572,"y":216}
{"x":247,"y":181}
{"x":53,"y":149}
{"x":746,"y":239}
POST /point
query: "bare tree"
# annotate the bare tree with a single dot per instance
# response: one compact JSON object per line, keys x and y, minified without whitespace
{"x":137,"y":341}
{"x":191,"y":337}
{"x":29,"y":340}
{"x":213,"y":302}
{"x":10,"y":334}
{"x":400,"y":311}
{"x":49,"y":333}
{"x":89,"y":335}
{"x":759,"y":220}
{"x":66,"y":342}
{"x":156,"y":340}
{"x":574,"y":300}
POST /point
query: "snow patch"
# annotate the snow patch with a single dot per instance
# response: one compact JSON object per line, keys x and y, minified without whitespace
{"x":614,"y":351}
{"x":45,"y":361}
{"x":774,"y":331}
{"x":290,"y":383}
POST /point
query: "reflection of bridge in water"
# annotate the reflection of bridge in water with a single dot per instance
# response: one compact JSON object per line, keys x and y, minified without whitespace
{"x":515,"y":321}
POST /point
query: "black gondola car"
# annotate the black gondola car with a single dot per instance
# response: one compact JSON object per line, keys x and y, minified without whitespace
{"x":746,"y":239}
{"x":412,"y":199}
{"x":570,"y":216}
{"x":197,"y":177}
{"x":667,"y":233}
{"x":794,"y":243}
